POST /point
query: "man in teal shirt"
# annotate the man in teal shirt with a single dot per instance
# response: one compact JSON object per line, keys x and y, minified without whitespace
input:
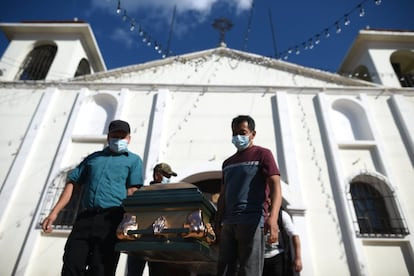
{"x":107,"y":177}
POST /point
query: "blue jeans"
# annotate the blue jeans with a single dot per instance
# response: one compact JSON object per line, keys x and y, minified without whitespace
{"x":241,"y":250}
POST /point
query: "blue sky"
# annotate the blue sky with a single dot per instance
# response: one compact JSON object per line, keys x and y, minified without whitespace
{"x":270,"y":28}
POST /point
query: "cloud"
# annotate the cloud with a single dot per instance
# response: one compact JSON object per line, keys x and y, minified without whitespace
{"x":155,"y":16}
{"x":122,"y":36}
{"x":162,"y":9}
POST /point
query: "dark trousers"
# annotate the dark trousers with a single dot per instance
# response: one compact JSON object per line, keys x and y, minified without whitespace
{"x":136,"y":267}
{"x":277,"y":266}
{"x":89,"y":249}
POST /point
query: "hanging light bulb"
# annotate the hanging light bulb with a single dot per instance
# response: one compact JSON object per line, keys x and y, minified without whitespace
{"x":347,"y":21}
{"x":285,"y":57}
{"x":163,"y":55}
{"x":144,"y":39}
{"x":156,"y":47}
{"x":118,"y":8}
{"x":305,"y":46}
{"x":290,"y":50}
{"x":140,"y":31}
{"x":377,"y":2}
{"x":338,"y":28}
{"x":310,"y":44}
{"x":361,"y":11}
{"x":124,"y":17}
{"x":297,"y":51}
{"x":149,"y":41}
{"x":132,"y":28}
{"x":317,"y":39}
{"x":327,"y":34}
{"x":159,"y":51}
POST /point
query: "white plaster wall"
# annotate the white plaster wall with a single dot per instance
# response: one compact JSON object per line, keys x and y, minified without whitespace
{"x":64,"y":65}
{"x":381,"y":59}
{"x":198,"y":136}
{"x":220,"y":70}
{"x":13,"y":57}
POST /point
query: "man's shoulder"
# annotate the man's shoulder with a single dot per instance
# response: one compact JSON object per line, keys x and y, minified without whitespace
{"x":134,"y":155}
{"x":260,"y":148}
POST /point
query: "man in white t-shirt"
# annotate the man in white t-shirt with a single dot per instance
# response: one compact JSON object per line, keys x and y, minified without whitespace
{"x":277,"y":255}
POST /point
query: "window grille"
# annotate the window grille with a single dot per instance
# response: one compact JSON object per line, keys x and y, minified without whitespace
{"x":376,"y":210}
{"x":83,"y":68}
{"x":38,"y":62}
{"x":67,"y":215}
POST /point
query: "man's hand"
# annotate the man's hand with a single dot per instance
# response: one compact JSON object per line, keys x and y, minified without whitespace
{"x":47,"y":223}
{"x":272,"y":228}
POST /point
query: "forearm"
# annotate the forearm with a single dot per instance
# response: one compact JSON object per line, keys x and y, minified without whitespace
{"x":64,"y":198}
{"x":297,"y":247}
{"x":297,"y":264}
{"x":220,"y":209}
{"x":275,"y":196}
{"x":61,"y":203}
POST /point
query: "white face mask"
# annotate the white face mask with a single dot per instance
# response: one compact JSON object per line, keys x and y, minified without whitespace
{"x":165,"y":180}
{"x":241,"y":142}
{"x":118,"y":145}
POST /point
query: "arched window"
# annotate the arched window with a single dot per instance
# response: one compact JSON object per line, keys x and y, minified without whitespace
{"x":83,"y":68}
{"x":376,"y":208}
{"x":403,"y":64}
{"x":37,"y":63}
{"x":95,"y":115}
{"x":350,"y":121}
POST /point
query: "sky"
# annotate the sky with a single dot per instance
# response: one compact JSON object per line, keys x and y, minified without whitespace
{"x":264,"y":27}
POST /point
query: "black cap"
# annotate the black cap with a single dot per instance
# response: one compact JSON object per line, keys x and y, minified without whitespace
{"x":119,"y":125}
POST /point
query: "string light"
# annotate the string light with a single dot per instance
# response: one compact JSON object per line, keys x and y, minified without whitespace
{"x":361,"y":10}
{"x":346,"y":19}
{"x":327,"y":34}
{"x":140,"y":31}
{"x":317,"y":39}
{"x":132,"y":28}
{"x":308,"y":44}
{"x":338,"y":28}
{"x":145,"y":38}
{"x":118,"y":9}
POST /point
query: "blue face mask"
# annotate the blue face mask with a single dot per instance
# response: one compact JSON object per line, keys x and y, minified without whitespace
{"x":165,"y":180}
{"x":241,"y":141}
{"x":118,"y":145}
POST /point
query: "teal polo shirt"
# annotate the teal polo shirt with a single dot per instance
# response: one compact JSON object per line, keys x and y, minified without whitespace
{"x":106,"y":176}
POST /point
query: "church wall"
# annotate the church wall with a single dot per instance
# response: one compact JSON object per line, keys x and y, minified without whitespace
{"x":196,"y":134}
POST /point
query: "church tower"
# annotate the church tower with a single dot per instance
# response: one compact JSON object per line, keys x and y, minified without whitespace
{"x":56,"y":50}
{"x":383,"y":57}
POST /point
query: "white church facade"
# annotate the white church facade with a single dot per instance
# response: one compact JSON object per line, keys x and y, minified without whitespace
{"x":344,"y":142}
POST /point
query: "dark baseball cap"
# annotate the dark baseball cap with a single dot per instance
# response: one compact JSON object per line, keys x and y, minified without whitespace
{"x":165,"y":168}
{"x":119,"y":125}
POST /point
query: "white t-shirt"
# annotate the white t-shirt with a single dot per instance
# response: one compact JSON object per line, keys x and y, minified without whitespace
{"x":273,"y":249}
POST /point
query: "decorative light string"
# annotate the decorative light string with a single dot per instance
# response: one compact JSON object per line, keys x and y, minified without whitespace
{"x":315,"y":40}
{"x":145,"y":36}
{"x":308,"y":44}
{"x":325,"y":188}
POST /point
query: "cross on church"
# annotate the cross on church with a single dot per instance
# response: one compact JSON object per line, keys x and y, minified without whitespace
{"x":222,"y":25}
